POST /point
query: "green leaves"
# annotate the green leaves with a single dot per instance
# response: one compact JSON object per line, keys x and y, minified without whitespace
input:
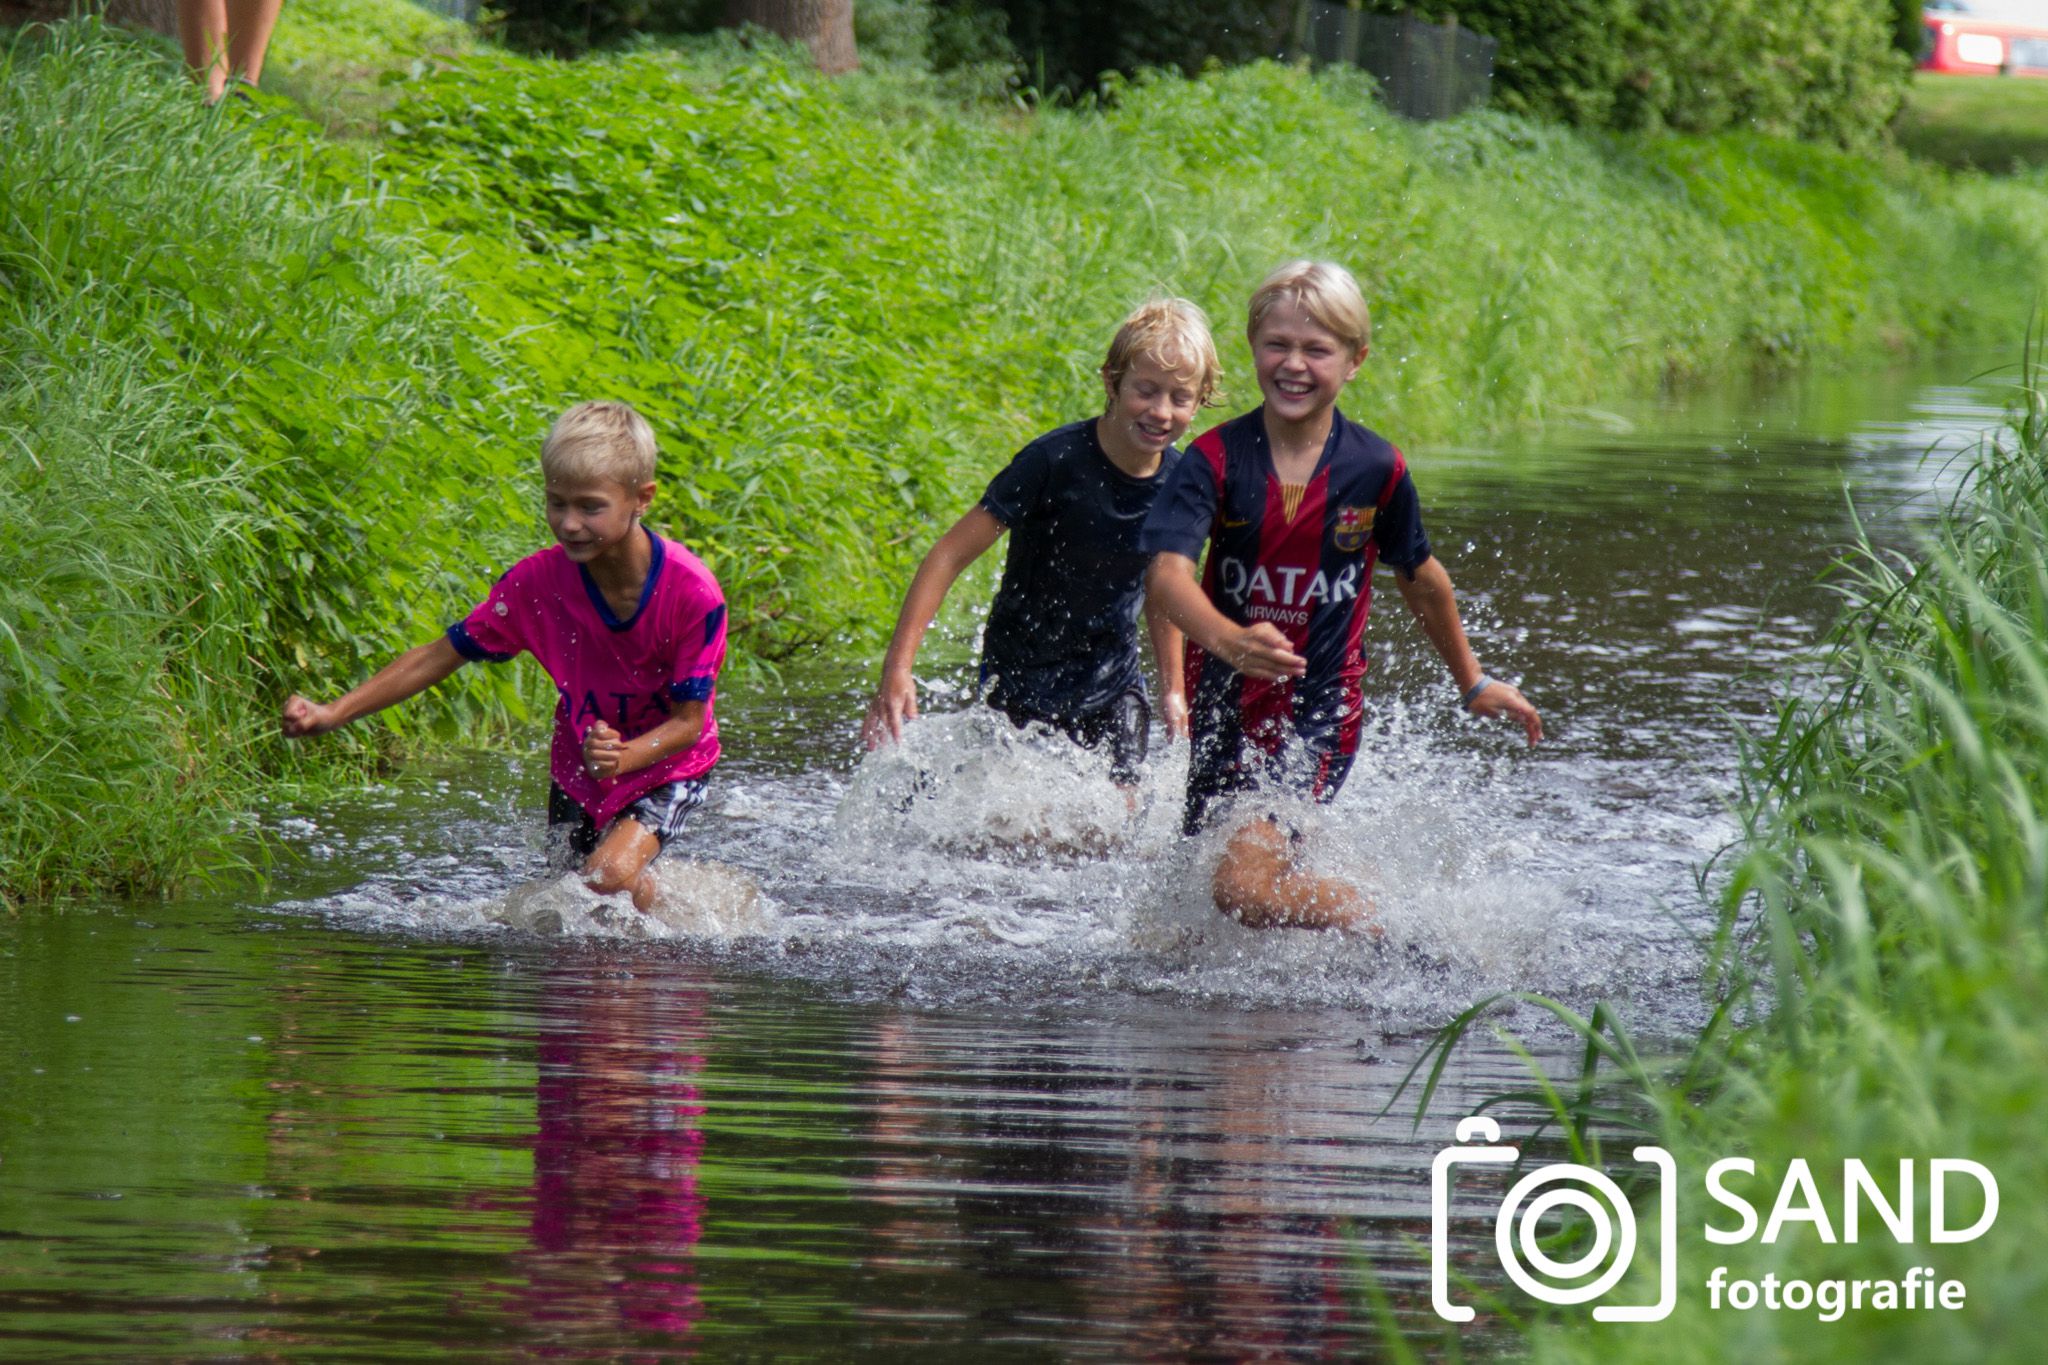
{"x":233,"y":388}
{"x":735,"y":254}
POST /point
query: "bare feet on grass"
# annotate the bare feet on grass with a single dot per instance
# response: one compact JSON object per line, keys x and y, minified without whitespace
{"x":1258,"y":885}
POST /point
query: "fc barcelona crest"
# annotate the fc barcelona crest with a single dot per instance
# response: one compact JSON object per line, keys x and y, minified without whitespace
{"x":1353,"y":525}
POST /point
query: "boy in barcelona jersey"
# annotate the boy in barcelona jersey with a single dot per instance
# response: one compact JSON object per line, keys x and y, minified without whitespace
{"x":1296,"y":505}
{"x":631,"y":628}
{"x":1061,"y":648}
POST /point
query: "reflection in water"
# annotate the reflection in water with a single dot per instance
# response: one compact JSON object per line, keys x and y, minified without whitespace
{"x":1219,"y":1198}
{"x":617,"y":1212}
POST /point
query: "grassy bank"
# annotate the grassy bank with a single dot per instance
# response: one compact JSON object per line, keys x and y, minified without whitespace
{"x":1883,"y":964}
{"x":251,"y":442}
{"x":302,"y":377}
{"x":331,"y":57}
{"x":1977,"y":122}
{"x":1516,"y":269}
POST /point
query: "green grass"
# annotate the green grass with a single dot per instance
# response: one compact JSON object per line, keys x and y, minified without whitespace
{"x":1983,"y":123}
{"x":252,"y":447}
{"x":332,"y":56}
{"x":1882,"y":963}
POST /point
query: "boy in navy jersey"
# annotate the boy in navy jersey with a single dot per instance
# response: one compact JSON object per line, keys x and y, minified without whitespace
{"x":1061,"y":647}
{"x":1296,"y":504}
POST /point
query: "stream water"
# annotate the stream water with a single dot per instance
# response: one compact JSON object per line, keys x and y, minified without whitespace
{"x":941,"y":1052}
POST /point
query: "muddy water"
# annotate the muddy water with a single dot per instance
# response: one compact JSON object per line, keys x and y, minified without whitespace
{"x":940,"y":1052}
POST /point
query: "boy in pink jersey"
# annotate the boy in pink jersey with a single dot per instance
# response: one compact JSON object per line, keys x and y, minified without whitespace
{"x":631,"y":628}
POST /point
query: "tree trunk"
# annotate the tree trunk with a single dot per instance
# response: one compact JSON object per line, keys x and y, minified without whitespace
{"x":160,"y":15}
{"x":823,"y":26}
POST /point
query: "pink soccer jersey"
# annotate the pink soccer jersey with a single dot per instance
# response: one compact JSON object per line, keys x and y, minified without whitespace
{"x":627,"y":673}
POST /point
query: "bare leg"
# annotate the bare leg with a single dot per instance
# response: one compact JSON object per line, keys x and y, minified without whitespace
{"x":250,"y":24}
{"x":1258,"y":885}
{"x":620,"y":864}
{"x":203,"y":34}
{"x":226,"y":38}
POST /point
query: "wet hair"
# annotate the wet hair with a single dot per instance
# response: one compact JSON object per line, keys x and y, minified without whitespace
{"x":599,"y":440}
{"x":1173,"y":333}
{"x":1324,"y":290}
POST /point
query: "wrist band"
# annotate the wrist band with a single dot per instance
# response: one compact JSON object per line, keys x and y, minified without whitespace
{"x":1465,"y":702}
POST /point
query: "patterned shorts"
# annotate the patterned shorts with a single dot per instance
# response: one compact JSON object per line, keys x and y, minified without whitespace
{"x":662,"y":811}
{"x":1228,"y":764}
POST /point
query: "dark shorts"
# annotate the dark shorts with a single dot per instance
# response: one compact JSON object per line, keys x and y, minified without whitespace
{"x":1125,"y":725}
{"x":662,"y":811}
{"x":1225,"y":764}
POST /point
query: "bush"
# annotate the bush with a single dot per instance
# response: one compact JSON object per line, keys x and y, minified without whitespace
{"x":1824,"y":70}
{"x":1067,"y":45}
{"x":1909,"y":27}
{"x":1797,"y":68}
{"x":751,"y":268}
{"x":566,"y":28}
{"x":1567,"y":60}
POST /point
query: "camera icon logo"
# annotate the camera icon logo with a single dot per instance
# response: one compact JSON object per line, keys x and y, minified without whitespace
{"x":1582,"y":1188}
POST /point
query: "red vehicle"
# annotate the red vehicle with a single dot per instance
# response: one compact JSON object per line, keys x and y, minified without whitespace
{"x":1963,"y":41}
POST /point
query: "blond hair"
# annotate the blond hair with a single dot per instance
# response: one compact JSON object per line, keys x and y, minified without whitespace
{"x":599,"y":440}
{"x":1172,"y":332}
{"x":1324,"y":290}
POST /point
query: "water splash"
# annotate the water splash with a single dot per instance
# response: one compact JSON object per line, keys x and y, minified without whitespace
{"x":695,"y":899}
{"x":973,"y":784}
{"x":976,"y":863}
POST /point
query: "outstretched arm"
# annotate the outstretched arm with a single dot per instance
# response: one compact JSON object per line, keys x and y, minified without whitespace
{"x":408,"y":675}
{"x":1259,"y":650}
{"x":1429,"y":596}
{"x":896,"y":699}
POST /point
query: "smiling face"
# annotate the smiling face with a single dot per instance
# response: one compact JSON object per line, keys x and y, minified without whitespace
{"x":1302,"y":366}
{"x":1150,"y":408}
{"x":592,"y":518}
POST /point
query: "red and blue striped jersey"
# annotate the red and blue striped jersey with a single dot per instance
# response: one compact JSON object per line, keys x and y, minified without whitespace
{"x":1309,"y":573}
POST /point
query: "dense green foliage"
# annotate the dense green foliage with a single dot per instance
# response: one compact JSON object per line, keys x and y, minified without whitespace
{"x":567,"y":27}
{"x":264,"y":466}
{"x":1069,"y":44}
{"x":247,"y":447}
{"x":1909,"y":27}
{"x":930,"y":34}
{"x":1799,"y":68}
{"x":1883,"y":954}
{"x":1570,"y":60}
{"x":1829,"y":69}
{"x":750,"y":269}
{"x":1804,"y":68}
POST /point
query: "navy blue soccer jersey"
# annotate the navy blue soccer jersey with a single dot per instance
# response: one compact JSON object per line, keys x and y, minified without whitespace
{"x":1310,"y":573}
{"x":1062,"y":637}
